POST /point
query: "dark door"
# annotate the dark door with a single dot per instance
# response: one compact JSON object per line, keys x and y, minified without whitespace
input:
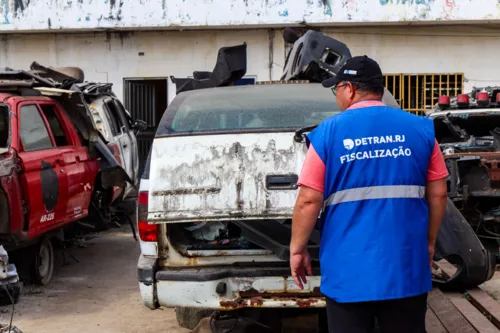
{"x":146,"y":100}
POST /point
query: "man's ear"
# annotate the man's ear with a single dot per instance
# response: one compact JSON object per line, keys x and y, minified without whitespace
{"x":352,"y":90}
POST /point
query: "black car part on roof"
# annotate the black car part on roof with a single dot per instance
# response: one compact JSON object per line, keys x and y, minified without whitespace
{"x":62,"y":80}
{"x":315,"y":57}
{"x":230,"y":67}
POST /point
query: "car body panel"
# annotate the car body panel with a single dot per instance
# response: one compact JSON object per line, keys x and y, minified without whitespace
{"x":205,"y":182}
{"x":248,"y":173}
{"x":67,"y":173}
{"x":46,"y":188}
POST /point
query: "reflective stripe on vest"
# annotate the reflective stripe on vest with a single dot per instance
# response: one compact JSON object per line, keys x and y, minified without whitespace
{"x":375,"y":192}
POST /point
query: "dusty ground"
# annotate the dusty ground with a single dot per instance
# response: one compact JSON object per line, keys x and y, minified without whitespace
{"x":493,"y":286}
{"x":98,"y":294}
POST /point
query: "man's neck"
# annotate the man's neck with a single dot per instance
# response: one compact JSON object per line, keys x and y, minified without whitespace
{"x":368,"y":98}
{"x":365,"y":102}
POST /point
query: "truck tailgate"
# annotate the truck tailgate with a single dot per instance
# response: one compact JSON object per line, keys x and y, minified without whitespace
{"x":224,"y":177}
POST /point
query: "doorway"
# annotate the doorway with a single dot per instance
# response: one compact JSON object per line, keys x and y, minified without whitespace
{"x":146,"y":99}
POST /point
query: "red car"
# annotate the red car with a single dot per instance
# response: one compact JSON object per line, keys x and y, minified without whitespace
{"x":53,"y":167}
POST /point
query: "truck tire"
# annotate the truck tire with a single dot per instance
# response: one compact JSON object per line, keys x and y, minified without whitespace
{"x":43,"y":267}
{"x":190,"y":317}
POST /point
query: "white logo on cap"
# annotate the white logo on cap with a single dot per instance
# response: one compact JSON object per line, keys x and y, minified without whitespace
{"x":350,"y":72}
{"x":348,"y":144}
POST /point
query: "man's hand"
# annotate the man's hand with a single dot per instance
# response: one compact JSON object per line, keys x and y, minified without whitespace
{"x":300,"y":264}
{"x":431,"y":253}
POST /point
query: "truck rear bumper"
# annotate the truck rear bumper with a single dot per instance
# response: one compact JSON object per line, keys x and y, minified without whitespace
{"x":227,"y":288}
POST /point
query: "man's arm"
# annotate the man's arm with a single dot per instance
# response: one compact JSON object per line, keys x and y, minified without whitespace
{"x":437,"y":196}
{"x":305,"y":215}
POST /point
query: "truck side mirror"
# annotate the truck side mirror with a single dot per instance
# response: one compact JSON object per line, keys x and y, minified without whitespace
{"x":140,"y":125}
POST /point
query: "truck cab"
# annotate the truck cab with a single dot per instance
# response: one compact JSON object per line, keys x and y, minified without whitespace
{"x":47,"y":175}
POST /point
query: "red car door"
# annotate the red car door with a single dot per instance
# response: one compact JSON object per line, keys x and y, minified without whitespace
{"x":44,"y":179}
{"x":79,"y":170}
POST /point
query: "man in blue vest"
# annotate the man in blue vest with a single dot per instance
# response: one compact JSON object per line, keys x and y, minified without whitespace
{"x":377,"y":176}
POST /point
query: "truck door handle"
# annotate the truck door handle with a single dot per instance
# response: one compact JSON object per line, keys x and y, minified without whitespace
{"x":281,"y":182}
{"x":60,"y":161}
{"x":125,"y":146}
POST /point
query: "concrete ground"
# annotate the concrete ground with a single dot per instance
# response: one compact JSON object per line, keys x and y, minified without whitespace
{"x":98,"y":294}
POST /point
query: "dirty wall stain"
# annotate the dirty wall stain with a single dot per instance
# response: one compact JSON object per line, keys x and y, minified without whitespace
{"x":423,"y":7}
{"x":327,"y":7}
{"x":17,"y":7}
{"x":32,"y":15}
{"x":4,"y":11}
{"x":404,"y":2}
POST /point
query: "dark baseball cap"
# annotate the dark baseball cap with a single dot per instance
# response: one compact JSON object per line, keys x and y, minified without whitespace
{"x":357,"y":69}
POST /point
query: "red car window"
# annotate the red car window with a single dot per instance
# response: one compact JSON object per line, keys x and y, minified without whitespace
{"x":55,"y":125}
{"x":33,"y":130}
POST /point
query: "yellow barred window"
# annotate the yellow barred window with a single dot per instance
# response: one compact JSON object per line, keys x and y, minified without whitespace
{"x":417,"y":93}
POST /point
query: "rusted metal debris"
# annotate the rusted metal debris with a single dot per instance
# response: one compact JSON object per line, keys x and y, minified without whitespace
{"x":253,"y":298}
{"x":283,"y":302}
{"x":254,"y":293}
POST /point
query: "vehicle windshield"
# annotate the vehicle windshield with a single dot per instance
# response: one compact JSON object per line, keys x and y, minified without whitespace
{"x":249,"y":108}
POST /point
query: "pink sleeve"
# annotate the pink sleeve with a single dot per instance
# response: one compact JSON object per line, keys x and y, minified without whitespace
{"x":437,"y":168}
{"x":313,"y":171}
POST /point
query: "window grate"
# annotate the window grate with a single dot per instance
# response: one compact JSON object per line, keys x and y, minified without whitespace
{"x":417,"y":93}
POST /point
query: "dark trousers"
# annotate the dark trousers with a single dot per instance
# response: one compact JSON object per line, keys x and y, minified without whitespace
{"x":405,"y":315}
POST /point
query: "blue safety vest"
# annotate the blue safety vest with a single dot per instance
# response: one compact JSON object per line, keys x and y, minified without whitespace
{"x":374,"y":220}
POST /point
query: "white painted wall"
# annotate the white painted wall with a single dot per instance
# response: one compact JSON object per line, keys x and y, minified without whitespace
{"x":42,"y":15}
{"x":471,"y":50}
{"x":113,"y":57}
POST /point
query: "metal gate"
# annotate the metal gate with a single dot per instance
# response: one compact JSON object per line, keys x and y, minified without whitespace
{"x":417,"y":93}
{"x":140,"y":100}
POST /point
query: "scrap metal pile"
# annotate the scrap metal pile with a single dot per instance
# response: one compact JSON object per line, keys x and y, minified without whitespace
{"x":54,"y":81}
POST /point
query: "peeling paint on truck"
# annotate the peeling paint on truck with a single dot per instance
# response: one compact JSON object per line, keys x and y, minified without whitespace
{"x":216,"y":177}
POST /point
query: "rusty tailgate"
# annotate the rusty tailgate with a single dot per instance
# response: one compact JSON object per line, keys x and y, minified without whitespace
{"x":224,"y":177}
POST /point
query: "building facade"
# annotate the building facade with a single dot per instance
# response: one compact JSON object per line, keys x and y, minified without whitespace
{"x":426,"y":47}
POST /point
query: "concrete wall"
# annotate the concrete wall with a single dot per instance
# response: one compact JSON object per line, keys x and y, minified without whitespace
{"x":113,"y":57}
{"x":471,"y":50}
{"x":43,"y":15}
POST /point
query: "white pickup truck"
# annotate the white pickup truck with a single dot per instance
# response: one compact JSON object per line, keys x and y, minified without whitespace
{"x":216,"y":200}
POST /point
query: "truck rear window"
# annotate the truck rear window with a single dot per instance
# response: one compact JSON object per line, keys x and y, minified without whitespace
{"x":248,"y":108}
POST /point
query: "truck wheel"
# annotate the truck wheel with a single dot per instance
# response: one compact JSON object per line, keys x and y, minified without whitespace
{"x":44,"y":262}
{"x":190,"y":317}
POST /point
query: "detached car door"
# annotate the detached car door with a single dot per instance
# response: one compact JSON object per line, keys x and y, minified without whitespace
{"x":121,"y":131}
{"x":134,"y":154}
{"x":44,"y":179}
